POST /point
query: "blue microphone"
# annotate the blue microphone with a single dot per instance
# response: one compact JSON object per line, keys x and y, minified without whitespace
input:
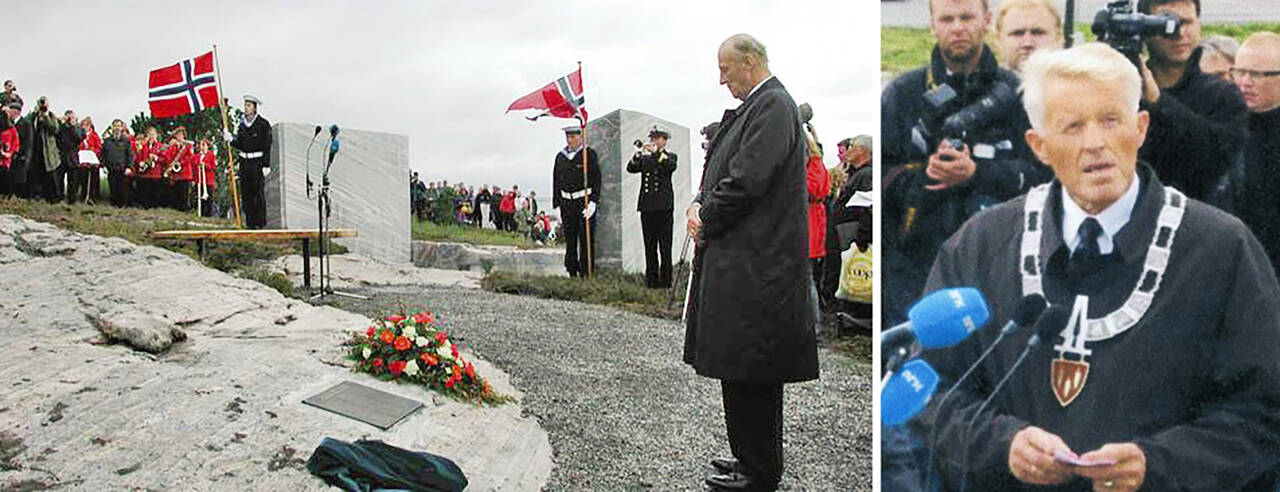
{"x":940,"y":319}
{"x":334,"y":144}
{"x":907,"y":392}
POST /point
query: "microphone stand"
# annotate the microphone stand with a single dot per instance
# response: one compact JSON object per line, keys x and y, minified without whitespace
{"x":323,"y":203}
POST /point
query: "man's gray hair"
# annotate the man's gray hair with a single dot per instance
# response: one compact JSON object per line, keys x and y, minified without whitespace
{"x":1093,"y":61}
{"x":861,"y":142}
{"x":746,"y":45}
{"x":1221,"y":45}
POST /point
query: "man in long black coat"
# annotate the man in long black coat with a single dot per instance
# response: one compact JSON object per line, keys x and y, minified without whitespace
{"x":749,"y":320}
{"x":253,"y":140}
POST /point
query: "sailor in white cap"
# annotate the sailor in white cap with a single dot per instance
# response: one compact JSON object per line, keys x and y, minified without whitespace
{"x":253,"y":145}
{"x":567,"y":194}
{"x":655,"y":204}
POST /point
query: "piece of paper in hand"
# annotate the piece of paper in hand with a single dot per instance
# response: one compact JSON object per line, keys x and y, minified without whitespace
{"x":1071,"y":459}
{"x":88,"y":158}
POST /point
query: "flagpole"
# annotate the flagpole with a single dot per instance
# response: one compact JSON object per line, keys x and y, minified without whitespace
{"x":231,"y":155}
{"x":586,"y":183}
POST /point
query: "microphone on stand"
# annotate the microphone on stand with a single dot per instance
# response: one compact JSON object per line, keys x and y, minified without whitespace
{"x":334,"y":143}
{"x":907,"y":392}
{"x":1028,"y":311}
{"x":938,"y":320}
{"x":1050,"y":325}
{"x":311,"y":185}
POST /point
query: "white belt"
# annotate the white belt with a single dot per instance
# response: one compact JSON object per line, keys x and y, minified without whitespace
{"x":577,"y":194}
{"x":251,"y":155}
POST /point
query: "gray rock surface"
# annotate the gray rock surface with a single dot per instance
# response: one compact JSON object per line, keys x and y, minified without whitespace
{"x":138,"y":330}
{"x":479,"y":259}
{"x":219,"y":411}
{"x":355,"y":271}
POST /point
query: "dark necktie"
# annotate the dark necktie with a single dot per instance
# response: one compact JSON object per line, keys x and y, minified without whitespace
{"x":1087,"y":248}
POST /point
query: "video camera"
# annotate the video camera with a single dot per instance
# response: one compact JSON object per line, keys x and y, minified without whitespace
{"x":943,"y":118}
{"x":1123,"y":29}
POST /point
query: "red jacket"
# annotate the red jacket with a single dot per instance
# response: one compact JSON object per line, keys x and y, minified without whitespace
{"x":508,"y":203}
{"x":9,"y":145}
{"x":210,"y":165}
{"x":819,"y":185}
{"x":92,"y":142}
{"x":142,"y":150}
{"x":178,"y":152}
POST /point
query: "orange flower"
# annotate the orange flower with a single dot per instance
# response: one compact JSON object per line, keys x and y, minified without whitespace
{"x":430,"y":360}
{"x":457,"y":372}
{"x":471,"y":371}
{"x":424,"y":318}
{"x":377,"y":362}
{"x":395,"y":318}
{"x":403,"y":343}
{"x":387,"y":336}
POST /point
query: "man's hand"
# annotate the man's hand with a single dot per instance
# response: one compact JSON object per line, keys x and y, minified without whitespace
{"x":1150,"y":90}
{"x":1127,"y":474}
{"x":693,"y":222}
{"x":949,"y":167}
{"x":226,"y":135}
{"x":266,"y":171}
{"x":589,"y":211}
{"x":1031,"y":457}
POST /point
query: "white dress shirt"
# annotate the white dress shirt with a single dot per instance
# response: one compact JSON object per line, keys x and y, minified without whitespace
{"x":1111,"y":219}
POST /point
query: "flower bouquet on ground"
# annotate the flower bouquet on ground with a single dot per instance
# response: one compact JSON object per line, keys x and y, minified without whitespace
{"x":412,"y":349}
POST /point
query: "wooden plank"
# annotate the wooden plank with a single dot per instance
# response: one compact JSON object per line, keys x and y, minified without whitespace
{"x":233,"y":234}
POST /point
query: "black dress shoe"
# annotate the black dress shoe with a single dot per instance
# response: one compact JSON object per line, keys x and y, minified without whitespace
{"x":729,"y":481}
{"x":726,"y":465}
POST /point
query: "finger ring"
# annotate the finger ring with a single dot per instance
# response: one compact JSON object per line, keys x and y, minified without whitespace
{"x":1108,"y":484}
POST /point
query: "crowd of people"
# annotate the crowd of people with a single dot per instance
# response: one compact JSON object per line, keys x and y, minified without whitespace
{"x":63,"y":159}
{"x":1100,"y":155}
{"x":508,"y":210}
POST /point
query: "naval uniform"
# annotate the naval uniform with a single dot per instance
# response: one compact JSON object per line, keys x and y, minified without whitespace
{"x":656,"y":212}
{"x":253,"y":141}
{"x":567,"y":190}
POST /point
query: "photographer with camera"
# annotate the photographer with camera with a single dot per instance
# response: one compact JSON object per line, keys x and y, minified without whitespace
{"x":43,"y":157}
{"x":953,"y":145}
{"x":1195,"y":132}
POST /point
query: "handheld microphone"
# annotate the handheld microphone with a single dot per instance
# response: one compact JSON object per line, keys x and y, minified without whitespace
{"x":1028,"y":311}
{"x":907,"y":393}
{"x":938,"y":320}
{"x":1050,"y":325}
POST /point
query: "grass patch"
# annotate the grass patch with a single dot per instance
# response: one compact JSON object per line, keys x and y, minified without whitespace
{"x":456,"y":233}
{"x":906,"y":48}
{"x":624,"y":291}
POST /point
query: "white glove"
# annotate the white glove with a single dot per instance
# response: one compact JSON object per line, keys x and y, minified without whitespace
{"x":226,"y":135}
{"x":589,"y":211}
{"x":266,"y":171}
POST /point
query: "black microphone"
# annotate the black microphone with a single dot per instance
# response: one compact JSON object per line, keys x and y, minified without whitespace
{"x":1050,"y":325}
{"x":1028,"y":311}
{"x":318,"y":128}
{"x":310,"y":185}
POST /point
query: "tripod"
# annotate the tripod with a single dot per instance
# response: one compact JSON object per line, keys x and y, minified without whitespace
{"x":324,"y":207}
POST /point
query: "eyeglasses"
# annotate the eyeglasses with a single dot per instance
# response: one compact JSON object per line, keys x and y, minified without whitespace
{"x":1254,"y":74}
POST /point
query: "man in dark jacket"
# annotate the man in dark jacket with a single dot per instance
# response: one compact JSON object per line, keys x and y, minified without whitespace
{"x":253,"y":141}
{"x":749,"y":316}
{"x":1257,"y":73}
{"x":1195,"y":117}
{"x":568,"y":187}
{"x":43,"y":157}
{"x":655,"y":204}
{"x":932,"y":186}
{"x":117,"y":155}
{"x":69,"y":136}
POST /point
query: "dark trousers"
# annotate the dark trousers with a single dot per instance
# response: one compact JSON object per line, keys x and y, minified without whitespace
{"x":753,"y":417}
{"x":576,"y":249}
{"x":6,"y":182}
{"x":95,"y":184}
{"x":118,"y":183}
{"x":206,"y":206}
{"x":253,"y":193}
{"x":178,"y":194}
{"x":144,"y":192}
{"x":656,"y":228}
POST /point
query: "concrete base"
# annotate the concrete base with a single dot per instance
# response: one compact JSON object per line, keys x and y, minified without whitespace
{"x":483,"y":259}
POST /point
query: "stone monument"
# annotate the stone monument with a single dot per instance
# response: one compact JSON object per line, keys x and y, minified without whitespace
{"x":369,"y":187}
{"x":618,"y":235}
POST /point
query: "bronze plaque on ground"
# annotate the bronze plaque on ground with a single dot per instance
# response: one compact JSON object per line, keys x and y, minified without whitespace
{"x":360,"y":402}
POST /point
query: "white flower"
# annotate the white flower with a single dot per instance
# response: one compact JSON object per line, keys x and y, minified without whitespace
{"x":366,"y":352}
{"x":444,"y":350}
{"x":424,"y":342}
{"x":409,"y":332}
{"x":411,"y":368}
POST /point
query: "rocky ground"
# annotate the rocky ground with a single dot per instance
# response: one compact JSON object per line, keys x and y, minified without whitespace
{"x":219,"y":407}
{"x":623,"y":412}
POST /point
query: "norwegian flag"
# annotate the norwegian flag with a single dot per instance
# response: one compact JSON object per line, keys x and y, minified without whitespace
{"x":561,"y":99}
{"x":184,"y":87}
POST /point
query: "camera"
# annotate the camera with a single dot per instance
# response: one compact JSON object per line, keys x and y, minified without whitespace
{"x":1123,"y":29}
{"x":944,"y":117}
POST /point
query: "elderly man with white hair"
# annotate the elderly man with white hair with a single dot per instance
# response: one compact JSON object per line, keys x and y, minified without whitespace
{"x":1167,"y":375}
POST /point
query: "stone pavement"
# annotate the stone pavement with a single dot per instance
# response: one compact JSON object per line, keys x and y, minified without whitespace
{"x":220,"y":411}
{"x":915,"y":13}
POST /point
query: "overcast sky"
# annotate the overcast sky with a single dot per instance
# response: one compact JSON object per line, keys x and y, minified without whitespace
{"x":444,"y":72}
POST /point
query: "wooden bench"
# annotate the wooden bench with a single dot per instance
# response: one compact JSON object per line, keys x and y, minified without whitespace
{"x":306,"y":235}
